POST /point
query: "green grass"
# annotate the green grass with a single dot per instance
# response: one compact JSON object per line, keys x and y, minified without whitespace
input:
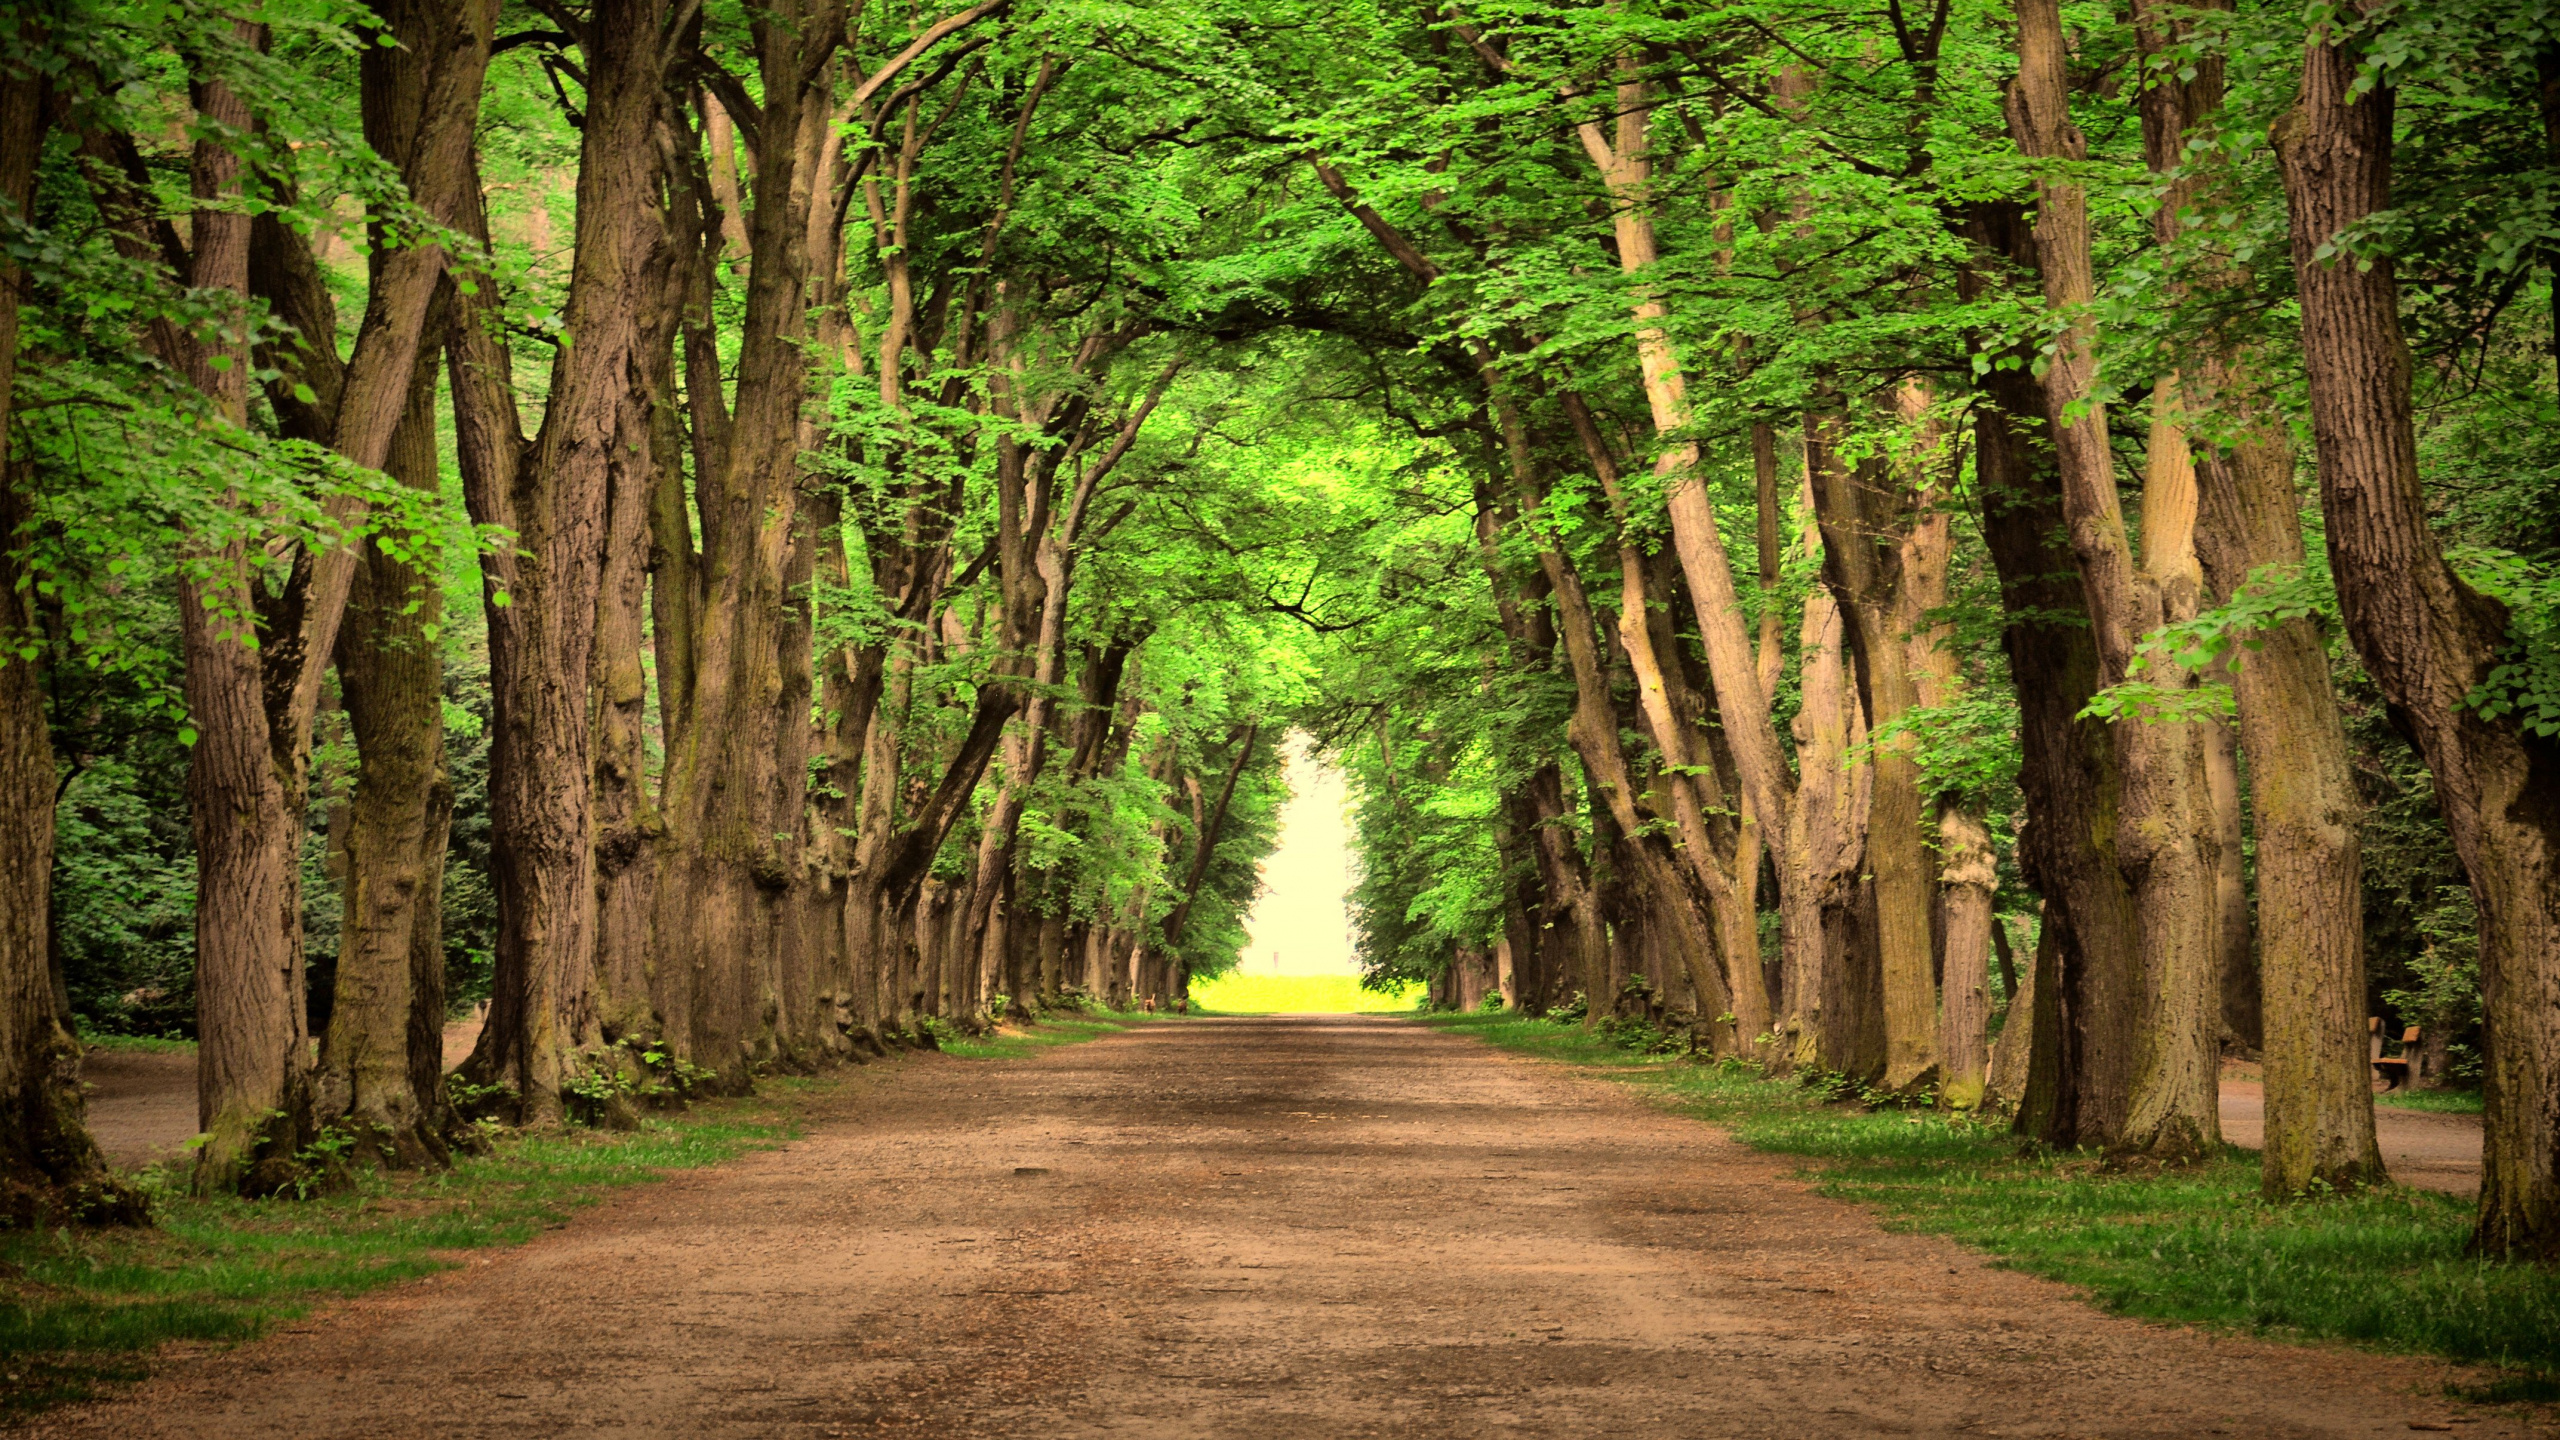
{"x":148,"y":1044}
{"x":2383,"y":1268}
{"x":2433,"y":1102}
{"x":1233,"y":994}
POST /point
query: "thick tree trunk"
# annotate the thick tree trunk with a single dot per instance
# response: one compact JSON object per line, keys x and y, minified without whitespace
{"x":50,"y":1171}
{"x":250,"y":1062}
{"x":730,"y":797}
{"x":2319,"y":1092}
{"x":254,"y":706}
{"x":2427,"y":638}
{"x":392,"y":676}
{"x":543,"y":1023}
{"x":2167,"y":840}
{"x":2086,"y":972}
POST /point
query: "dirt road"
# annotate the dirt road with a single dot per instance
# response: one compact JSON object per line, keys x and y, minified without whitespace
{"x":1287,"y":1228}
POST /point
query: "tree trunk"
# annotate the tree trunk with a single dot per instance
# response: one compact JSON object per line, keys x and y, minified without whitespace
{"x":1967,"y":871}
{"x":1863,"y":522}
{"x":392,"y":677}
{"x":543,"y":1023}
{"x":2319,"y":1092}
{"x":2086,"y":974}
{"x":2427,"y":638}
{"x":50,"y":1170}
{"x":2167,"y":839}
{"x":1833,"y":1020}
{"x":1624,"y":163}
{"x":254,"y":697}
{"x":250,"y":1065}
{"x":2012,"y":1057}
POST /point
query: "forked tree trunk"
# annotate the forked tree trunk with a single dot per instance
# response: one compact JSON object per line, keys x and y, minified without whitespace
{"x":391,"y":676}
{"x":1669,"y":896}
{"x":253,"y":697}
{"x":2174,"y":99}
{"x":1622,"y":158}
{"x":2426,"y":637}
{"x":1686,"y":787}
{"x":2085,"y":975}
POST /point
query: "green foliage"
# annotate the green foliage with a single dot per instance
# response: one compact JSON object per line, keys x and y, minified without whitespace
{"x":2525,"y":683}
{"x":626,"y":1071}
{"x":2443,"y":993}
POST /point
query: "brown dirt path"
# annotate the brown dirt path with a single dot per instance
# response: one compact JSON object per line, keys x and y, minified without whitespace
{"x":1277,"y":1228}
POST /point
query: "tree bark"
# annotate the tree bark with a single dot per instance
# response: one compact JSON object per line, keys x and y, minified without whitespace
{"x":2319,"y":1092}
{"x":1833,"y":1020}
{"x":50,"y":1170}
{"x":2085,"y":975}
{"x":1863,"y":524}
{"x":2167,"y":838}
{"x":543,"y":1021}
{"x":2426,"y":637}
{"x":391,"y":676}
{"x":1967,"y":871}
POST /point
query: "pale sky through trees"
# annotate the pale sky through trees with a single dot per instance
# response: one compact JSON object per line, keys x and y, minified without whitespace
{"x":1301,"y":914}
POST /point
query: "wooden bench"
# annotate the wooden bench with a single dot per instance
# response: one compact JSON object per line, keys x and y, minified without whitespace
{"x":2393,"y":1070}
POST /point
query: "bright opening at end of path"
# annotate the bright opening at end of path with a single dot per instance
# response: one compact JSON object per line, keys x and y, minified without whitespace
{"x":1297,"y":952}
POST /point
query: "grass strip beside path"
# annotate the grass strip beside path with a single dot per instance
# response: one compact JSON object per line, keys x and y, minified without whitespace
{"x":2384,"y":1267}
{"x":78,"y":1308}
{"x":2432,"y":1102}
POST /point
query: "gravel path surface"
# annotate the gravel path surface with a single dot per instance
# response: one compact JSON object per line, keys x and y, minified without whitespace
{"x":1279,"y":1228}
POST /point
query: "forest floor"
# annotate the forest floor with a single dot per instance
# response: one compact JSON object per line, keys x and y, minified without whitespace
{"x":1281,"y":1228}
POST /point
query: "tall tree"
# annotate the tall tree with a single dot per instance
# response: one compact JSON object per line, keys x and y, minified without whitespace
{"x":2429,"y":640}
